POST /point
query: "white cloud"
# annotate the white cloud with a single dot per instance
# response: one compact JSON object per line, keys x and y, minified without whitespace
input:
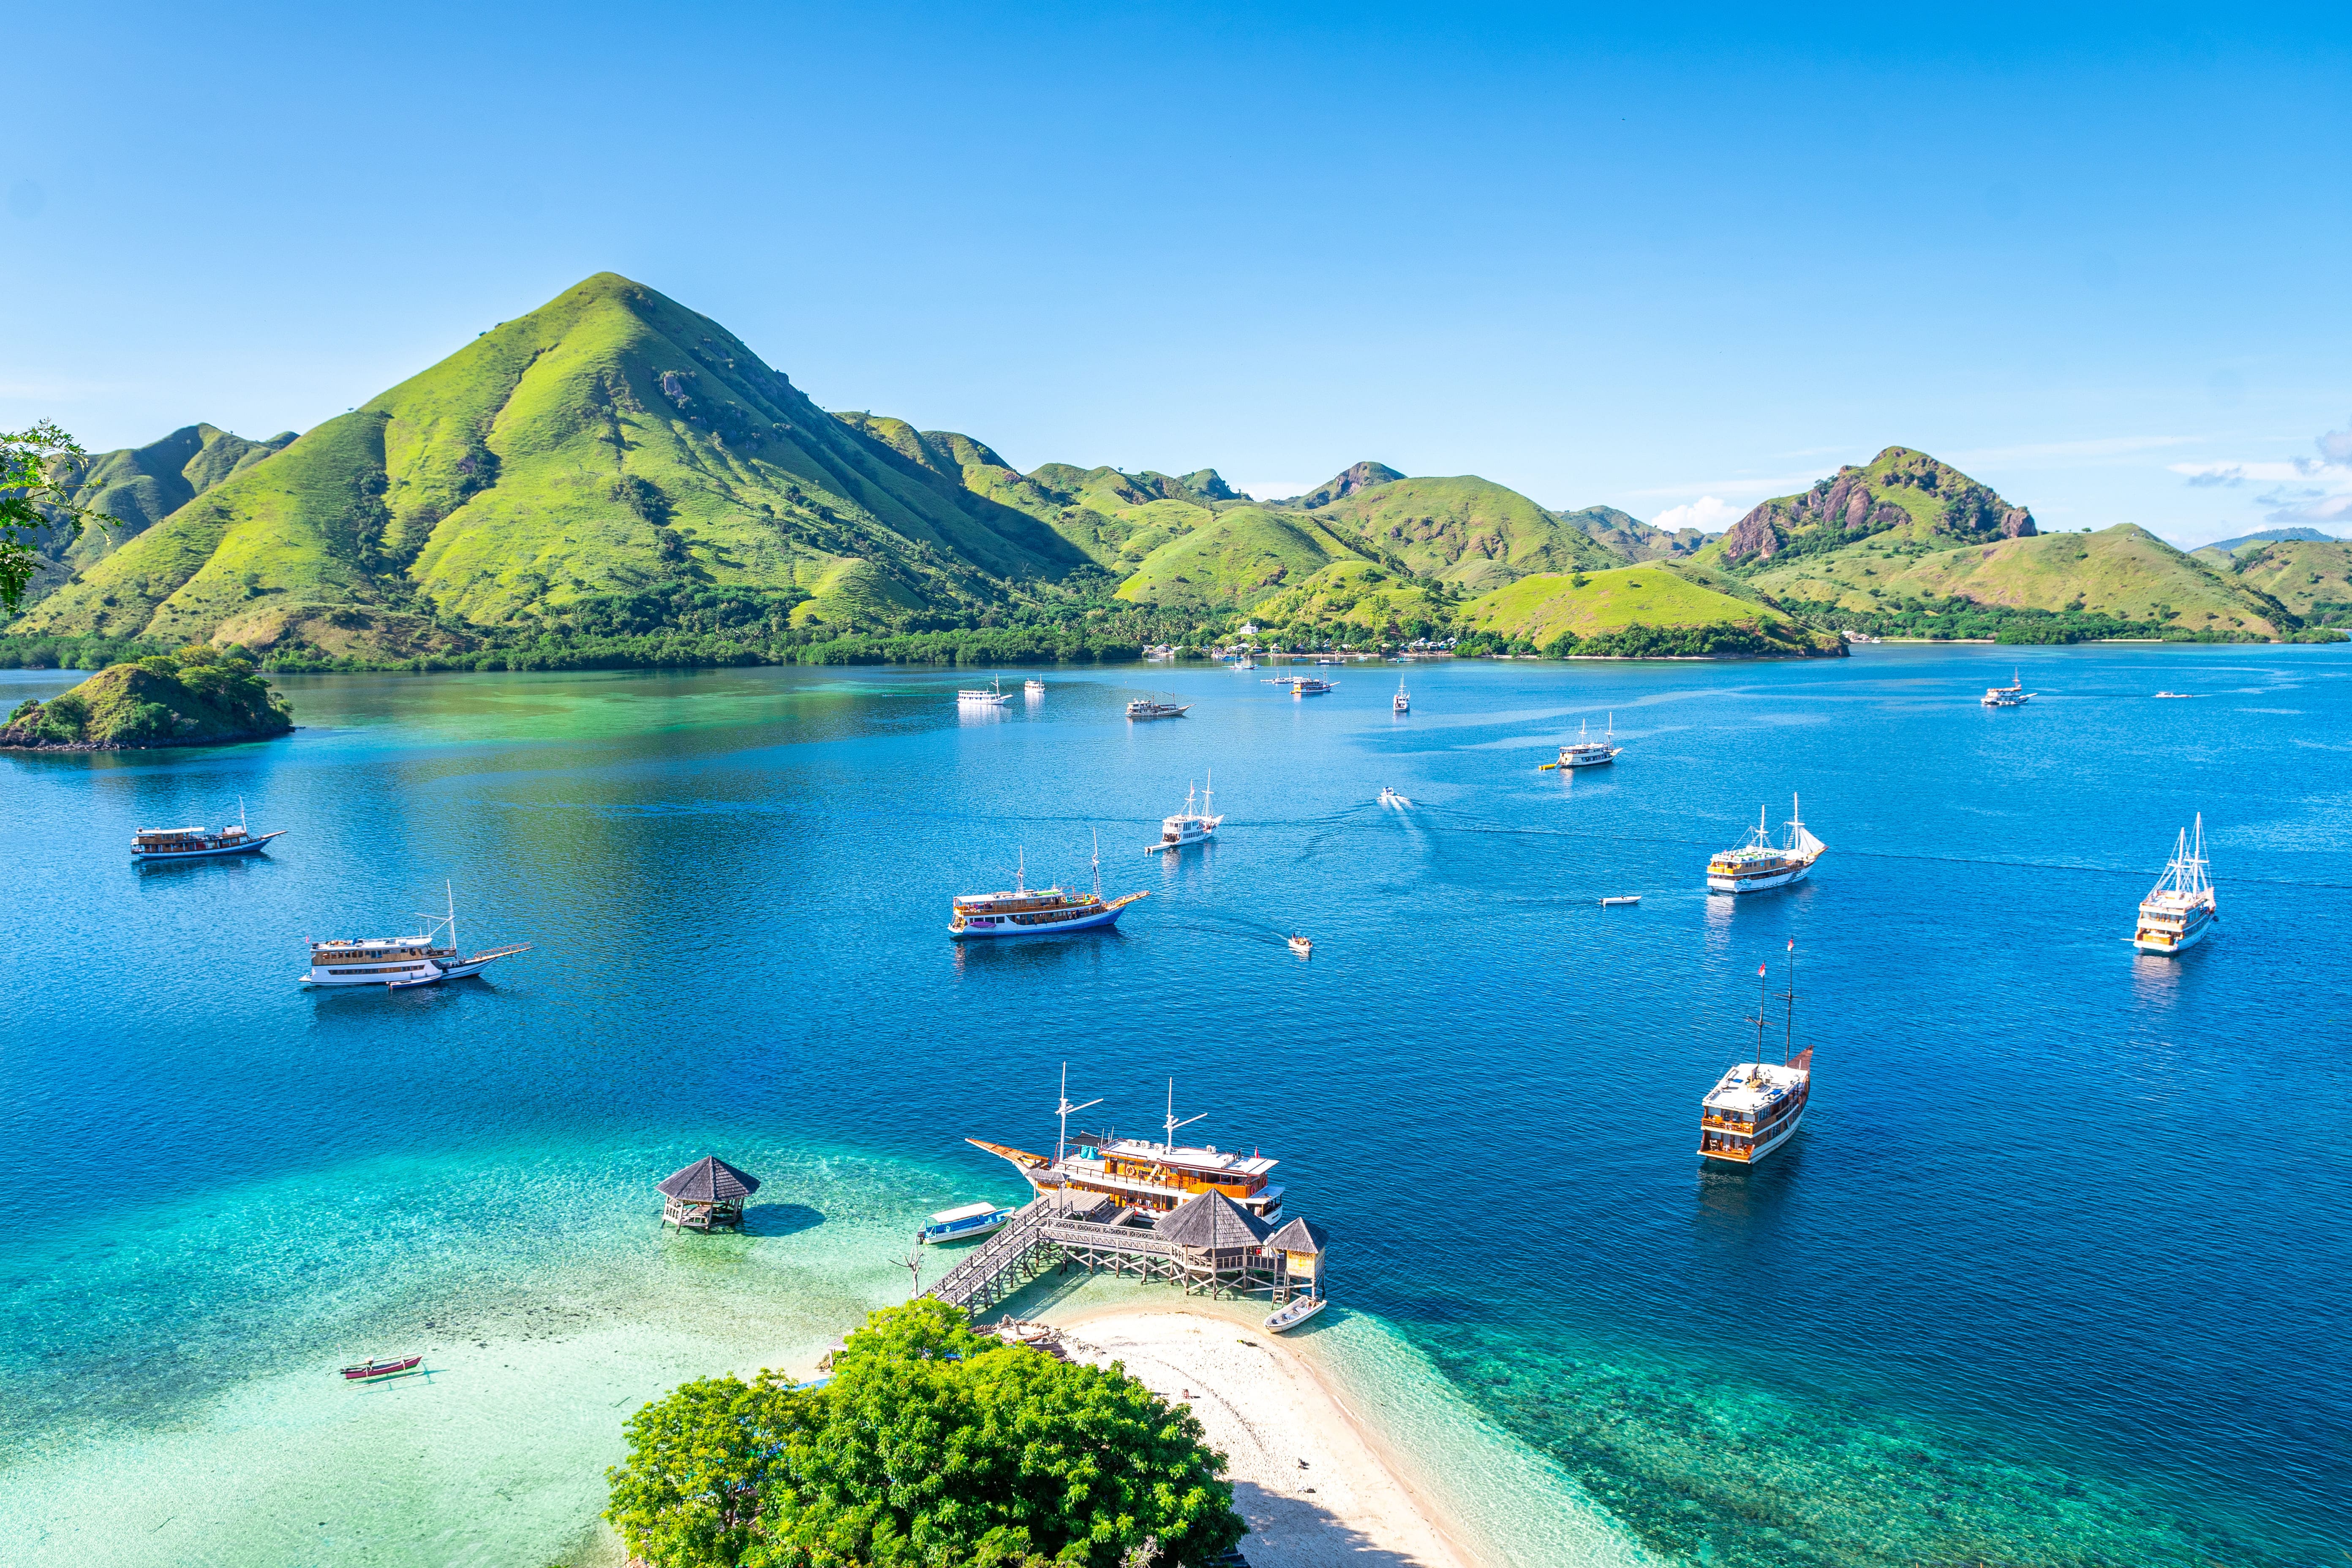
{"x":1709,"y":514}
{"x":2292,"y":469}
{"x":1274,"y":490}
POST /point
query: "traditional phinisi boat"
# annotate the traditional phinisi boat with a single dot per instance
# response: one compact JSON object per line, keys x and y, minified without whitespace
{"x":1758,"y":1105}
{"x":1035,"y":912}
{"x":964,"y":1223}
{"x":400,"y":963}
{"x":994,"y":695}
{"x":1759,"y":863}
{"x":1140,"y":1173}
{"x":2181,"y":907}
{"x":2013,"y":695}
{"x":195,"y":842}
{"x":1188,"y":826}
{"x":1588,"y":752}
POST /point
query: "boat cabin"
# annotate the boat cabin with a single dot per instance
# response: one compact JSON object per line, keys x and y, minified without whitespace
{"x":1155,"y":1178}
{"x":1749,"y":1108}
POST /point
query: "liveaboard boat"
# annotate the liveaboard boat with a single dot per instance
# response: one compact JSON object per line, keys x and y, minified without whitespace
{"x":400,"y":963}
{"x":1188,"y":826}
{"x":2181,"y":907}
{"x":994,"y":695}
{"x":1144,"y":707}
{"x":1588,"y":752}
{"x":1401,"y":703}
{"x":965,"y":1224}
{"x":1034,"y":688}
{"x":1035,"y":912}
{"x":2013,"y":695}
{"x":1758,"y":1105}
{"x":1759,"y":863}
{"x":1138,"y":1173}
{"x":195,"y":842}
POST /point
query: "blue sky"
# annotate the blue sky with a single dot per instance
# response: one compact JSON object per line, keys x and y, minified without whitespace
{"x":2099,"y":258}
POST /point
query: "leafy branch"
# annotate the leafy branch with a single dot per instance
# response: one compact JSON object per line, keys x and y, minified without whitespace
{"x":38,"y":470}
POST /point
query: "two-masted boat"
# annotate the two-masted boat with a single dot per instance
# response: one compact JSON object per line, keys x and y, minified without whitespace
{"x":1035,"y":912}
{"x":1401,"y":703}
{"x":1758,"y":1105}
{"x":1759,"y":863}
{"x":196,"y":843}
{"x":1145,"y":707}
{"x":2180,"y":908}
{"x":1587,"y":752}
{"x":1188,"y":826}
{"x":1140,"y":1173}
{"x":2013,"y":695}
{"x":400,"y":963}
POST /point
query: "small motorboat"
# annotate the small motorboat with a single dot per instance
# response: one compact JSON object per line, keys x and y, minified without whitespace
{"x":455,"y":968}
{"x":965,"y":1223}
{"x":1621,"y":898}
{"x":2172,"y":694}
{"x":1285,"y":1318}
{"x":1300,"y":945}
{"x":1391,"y":797}
{"x":374,"y":1369}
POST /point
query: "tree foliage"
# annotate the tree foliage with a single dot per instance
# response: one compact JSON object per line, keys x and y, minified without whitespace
{"x":37,"y":469}
{"x":929,"y":1447}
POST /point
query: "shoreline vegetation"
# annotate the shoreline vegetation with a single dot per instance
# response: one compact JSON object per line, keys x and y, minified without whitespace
{"x":199,"y":696}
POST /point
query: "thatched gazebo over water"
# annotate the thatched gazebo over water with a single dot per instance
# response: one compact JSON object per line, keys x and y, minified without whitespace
{"x":705,"y":1195}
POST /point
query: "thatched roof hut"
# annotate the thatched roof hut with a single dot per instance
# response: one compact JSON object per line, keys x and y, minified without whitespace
{"x":1212,"y":1221}
{"x":708,"y":1194}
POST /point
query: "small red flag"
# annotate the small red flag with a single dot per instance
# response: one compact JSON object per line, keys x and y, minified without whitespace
{"x":1759,"y":969}
{"x":1792,"y":944}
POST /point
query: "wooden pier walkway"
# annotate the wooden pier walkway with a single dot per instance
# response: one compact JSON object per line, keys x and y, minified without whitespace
{"x":1058,"y":1227}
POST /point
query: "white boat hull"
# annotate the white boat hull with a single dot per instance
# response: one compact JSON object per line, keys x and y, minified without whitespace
{"x":1715,"y":884}
{"x":1106,"y":916}
{"x":1186,"y":842}
{"x":1283,"y":1319}
{"x":1780,"y":1136}
{"x":2188,"y":939}
{"x":1567,"y":762}
{"x":973,"y":1233}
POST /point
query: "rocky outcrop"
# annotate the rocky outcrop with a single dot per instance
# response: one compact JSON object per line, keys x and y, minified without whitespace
{"x":1360,"y":477}
{"x":1898,"y":487}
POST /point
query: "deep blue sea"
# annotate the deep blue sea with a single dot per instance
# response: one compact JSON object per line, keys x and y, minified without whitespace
{"x":2056,"y":1272}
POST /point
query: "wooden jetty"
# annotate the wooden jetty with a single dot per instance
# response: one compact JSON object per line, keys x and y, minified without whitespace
{"x":1208,"y":1244}
{"x":707,"y":1196}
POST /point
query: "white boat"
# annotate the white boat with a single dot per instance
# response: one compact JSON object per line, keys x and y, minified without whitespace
{"x":994,"y":695}
{"x":1247,"y":663}
{"x":1400,"y":702}
{"x":1301,"y":946}
{"x":1144,"y":707}
{"x":1758,"y":1105}
{"x":1621,"y":898}
{"x":1759,"y":863}
{"x":1391,"y":797}
{"x":2180,"y":908}
{"x":1295,"y":1311}
{"x":1035,"y":911}
{"x":196,"y":843}
{"x":1588,"y":752}
{"x":400,"y":963}
{"x":964,"y":1223}
{"x":1034,"y":688}
{"x":1302,"y":685}
{"x":2013,"y":695}
{"x":1188,"y":826}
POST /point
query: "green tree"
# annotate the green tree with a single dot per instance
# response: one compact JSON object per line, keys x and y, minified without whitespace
{"x":38,"y":469}
{"x":931,"y":1447}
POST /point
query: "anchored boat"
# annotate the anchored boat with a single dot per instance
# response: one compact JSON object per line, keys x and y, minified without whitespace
{"x":1588,"y":752}
{"x":1759,"y":863}
{"x":1035,"y":912}
{"x":1400,"y":702}
{"x":2013,"y":695}
{"x":375,"y":1369}
{"x":1138,"y":1172}
{"x":1303,"y":685}
{"x":195,"y":842}
{"x":994,"y":696}
{"x":1144,"y":707}
{"x":1759,"y":1104}
{"x":400,"y":963}
{"x":2181,"y":907}
{"x":964,"y":1223}
{"x":1188,"y":826}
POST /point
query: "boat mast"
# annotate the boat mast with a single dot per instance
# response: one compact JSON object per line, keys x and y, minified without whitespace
{"x":1099,"y":865}
{"x":1171,"y":1124}
{"x":451,"y":888}
{"x":1788,"y":1041}
{"x":1021,"y":870}
{"x":1061,"y":1144}
{"x":1209,"y":795}
{"x":1761,"y":980}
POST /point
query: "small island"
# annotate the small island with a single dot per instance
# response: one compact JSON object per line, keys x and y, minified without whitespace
{"x":200,"y":696}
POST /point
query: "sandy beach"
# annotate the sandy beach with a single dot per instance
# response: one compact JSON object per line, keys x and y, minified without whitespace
{"x":1315,"y":1489}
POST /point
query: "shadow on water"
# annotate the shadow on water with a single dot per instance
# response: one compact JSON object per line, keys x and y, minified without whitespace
{"x":779,"y":1219}
{"x":1283,"y":1519}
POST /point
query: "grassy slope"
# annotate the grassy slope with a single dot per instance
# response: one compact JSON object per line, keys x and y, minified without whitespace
{"x":2125,"y":572}
{"x":2301,"y":574}
{"x":141,"y":486}
{"x":1539,"y":608}
{"x":484,"y":489}
{"x":154,"y":701}
{"x":1362,"y":592}
{"x":1240,"y":556}
{"x":1628,"y":538}
{"x":1467,"y":530}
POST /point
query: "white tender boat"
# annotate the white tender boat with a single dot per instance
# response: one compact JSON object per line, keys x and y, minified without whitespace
{"x":964,"y":1223}
{"x":1588,"y":752}
{"x":1188,"y":826}
{"x":1301,"y":946}
{"x":1297,"y":1311}
{"x":2013,"y":695}
{"x":1758,"y":1105}
{"x":1621,"y":898}
{"x":1391,"y":797}
{"x":994,"y":696}
{"x":400,"y":963}
{"x":1759,"y":863}
{"x":2181,"y":907}
{"x":196,"y":843}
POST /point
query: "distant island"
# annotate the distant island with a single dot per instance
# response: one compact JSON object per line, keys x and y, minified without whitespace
{"x":198,"y":697}
{"x":614,"y":479}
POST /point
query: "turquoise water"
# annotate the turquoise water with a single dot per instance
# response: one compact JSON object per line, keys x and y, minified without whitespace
{"x":2051,"y":1275}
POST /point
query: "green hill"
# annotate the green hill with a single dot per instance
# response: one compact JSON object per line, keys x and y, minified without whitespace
{"x":1237,"y":558}
{"x":594,"y":459}
{"x":1901,"y":492}
{"x":1465,"y":530}
{"x":1357,"y":602}
{"x":2312,"y":578}
{"x":194,"y":697}
{"x":141,"y":486}
{"x":1648,"y":608}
